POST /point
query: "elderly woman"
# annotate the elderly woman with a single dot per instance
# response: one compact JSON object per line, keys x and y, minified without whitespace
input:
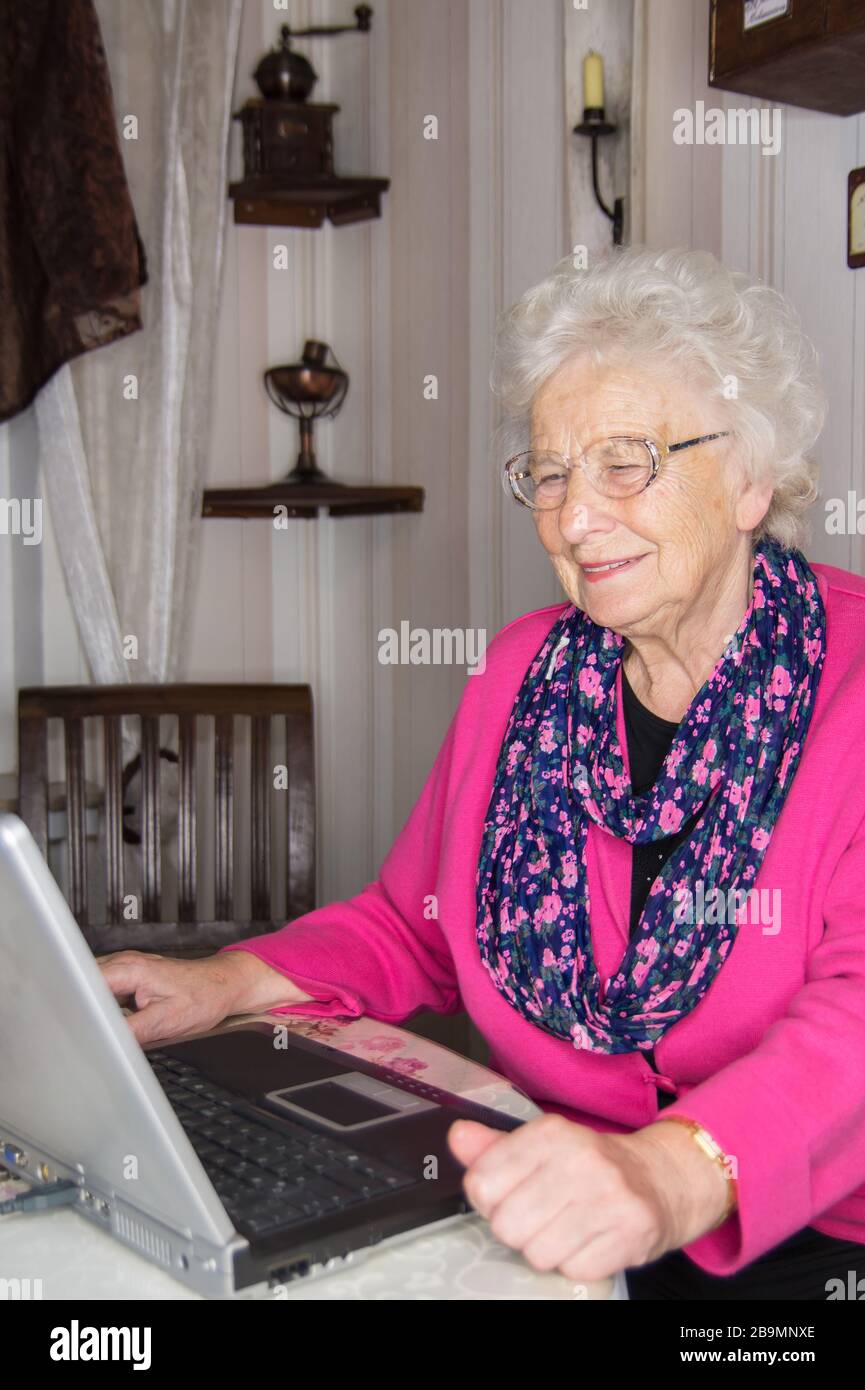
{"x":645,"y":829}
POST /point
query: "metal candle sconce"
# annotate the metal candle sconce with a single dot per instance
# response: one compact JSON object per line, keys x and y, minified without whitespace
{"x":595,"y":124}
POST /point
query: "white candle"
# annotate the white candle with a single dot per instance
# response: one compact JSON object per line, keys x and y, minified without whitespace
{"x":593,"y":79}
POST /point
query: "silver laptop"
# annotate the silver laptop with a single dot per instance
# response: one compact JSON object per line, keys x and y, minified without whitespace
{"x":238,"y":1159}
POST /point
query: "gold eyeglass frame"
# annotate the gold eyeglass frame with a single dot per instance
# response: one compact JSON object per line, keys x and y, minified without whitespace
{"x":657,"y":453}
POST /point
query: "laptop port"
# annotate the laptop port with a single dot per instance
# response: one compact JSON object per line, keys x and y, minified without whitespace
{"x":283,"y":1274}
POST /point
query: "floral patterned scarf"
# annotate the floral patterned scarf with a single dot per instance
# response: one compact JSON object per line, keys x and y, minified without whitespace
{"x":561,"y":767}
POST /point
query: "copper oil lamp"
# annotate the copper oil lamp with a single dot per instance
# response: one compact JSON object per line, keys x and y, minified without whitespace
{"x":308,"y":390}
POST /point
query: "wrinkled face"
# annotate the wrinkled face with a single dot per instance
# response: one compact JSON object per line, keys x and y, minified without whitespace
{"x":683,"y":535}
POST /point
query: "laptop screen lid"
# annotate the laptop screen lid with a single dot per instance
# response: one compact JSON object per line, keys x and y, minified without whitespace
{"x":73,"y":1079}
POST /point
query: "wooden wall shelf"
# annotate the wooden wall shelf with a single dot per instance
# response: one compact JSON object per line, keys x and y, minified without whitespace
{"x":269,"y":202}
{"x":307,"y":500}
{"x":288,"y":174}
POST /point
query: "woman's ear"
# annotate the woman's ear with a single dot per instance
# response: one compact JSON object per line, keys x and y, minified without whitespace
{"x":752,"y":504}
{"x":751,"y":498}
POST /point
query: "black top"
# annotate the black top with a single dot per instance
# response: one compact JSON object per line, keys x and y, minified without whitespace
{"x":801,"y":1265}
{"x":649,"y":738}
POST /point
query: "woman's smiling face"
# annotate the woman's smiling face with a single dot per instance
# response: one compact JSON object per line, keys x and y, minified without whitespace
{"x":682,"y":535}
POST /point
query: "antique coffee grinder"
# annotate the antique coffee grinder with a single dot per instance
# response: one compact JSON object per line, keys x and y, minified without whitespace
{"x":289,"y":177}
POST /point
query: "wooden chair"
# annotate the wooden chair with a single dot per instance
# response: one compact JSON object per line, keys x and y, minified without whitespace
{"x":188,"y":704}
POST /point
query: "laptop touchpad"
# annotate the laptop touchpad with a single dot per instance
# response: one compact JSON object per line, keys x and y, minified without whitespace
{"x":251,"y":1061}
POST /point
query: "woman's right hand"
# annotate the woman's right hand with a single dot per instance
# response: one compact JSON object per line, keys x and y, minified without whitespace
{"x":172,"y":997}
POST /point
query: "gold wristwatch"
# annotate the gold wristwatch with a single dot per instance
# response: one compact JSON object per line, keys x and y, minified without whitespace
{"x":712,"y":1149}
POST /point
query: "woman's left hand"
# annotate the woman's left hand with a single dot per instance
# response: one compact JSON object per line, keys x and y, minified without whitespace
{"x":584,"y":1203}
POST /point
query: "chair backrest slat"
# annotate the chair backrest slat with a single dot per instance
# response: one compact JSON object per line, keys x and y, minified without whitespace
{"x":33,"y":778}
{"x":151,"y":844}
{"x":300,"y":866}
{"x":261,"y":792}
{"x":113,"y":747}
{"x":187,"y":854}
{"x":224,"y":820}
{"x":75,"y":816}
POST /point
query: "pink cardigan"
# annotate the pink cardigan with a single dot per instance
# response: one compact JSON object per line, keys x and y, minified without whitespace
{"x":772,"y":1061}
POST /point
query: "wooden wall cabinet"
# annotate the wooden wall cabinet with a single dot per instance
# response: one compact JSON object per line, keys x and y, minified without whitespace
{"x":812,"y":55}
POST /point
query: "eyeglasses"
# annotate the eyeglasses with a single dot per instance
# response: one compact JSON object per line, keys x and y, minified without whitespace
{"x":617,"y":467}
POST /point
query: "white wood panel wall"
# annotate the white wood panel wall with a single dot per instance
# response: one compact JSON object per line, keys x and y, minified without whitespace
{"x":781,"y":217}
{"x":472,"y":218}
{"x":534,"y":236}
{"x":785,"y":220}
{"x":677,"y":187}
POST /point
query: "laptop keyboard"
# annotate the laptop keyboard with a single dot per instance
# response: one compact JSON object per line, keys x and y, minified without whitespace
{"x":268,"y":1176}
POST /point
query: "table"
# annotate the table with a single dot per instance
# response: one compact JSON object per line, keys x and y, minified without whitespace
{"x":75,"y":1260}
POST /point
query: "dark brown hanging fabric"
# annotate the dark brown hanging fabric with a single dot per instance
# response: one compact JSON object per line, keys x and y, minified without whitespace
{"x":71,"y":258}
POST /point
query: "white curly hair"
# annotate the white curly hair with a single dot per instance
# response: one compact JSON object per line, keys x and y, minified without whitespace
{"x":684,"y":311}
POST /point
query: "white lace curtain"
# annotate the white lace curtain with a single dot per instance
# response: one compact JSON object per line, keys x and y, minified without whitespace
{"x":122,"y":475}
